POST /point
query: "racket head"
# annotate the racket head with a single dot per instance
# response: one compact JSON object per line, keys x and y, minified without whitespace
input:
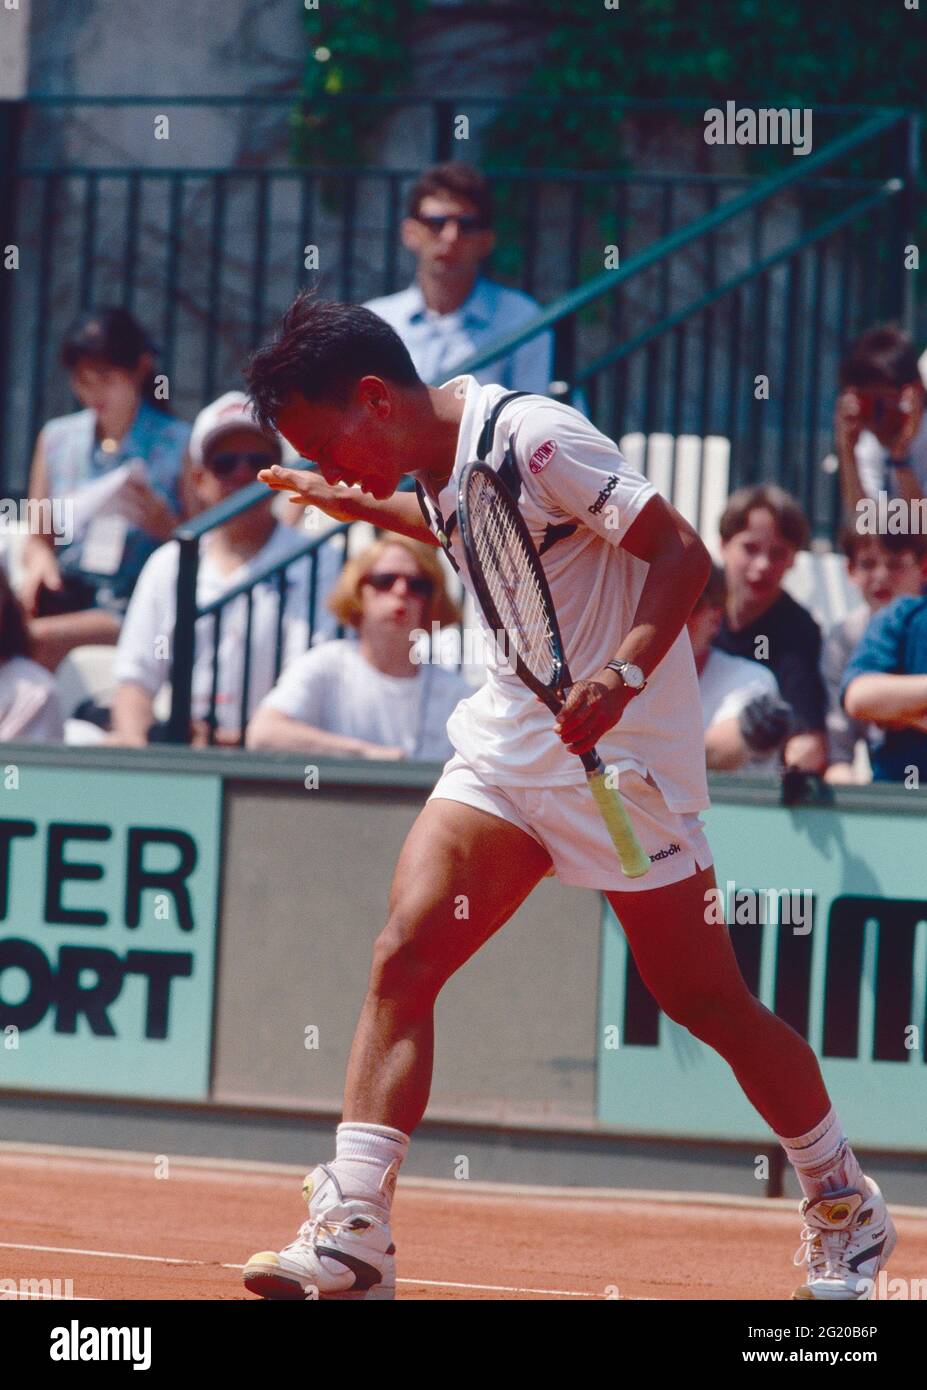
{"x":510,"y":583}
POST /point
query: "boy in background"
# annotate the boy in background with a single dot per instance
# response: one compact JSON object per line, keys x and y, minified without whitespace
{"x":883,"y":568}
{"x":744,"y":716}
{"x":762,"y":529}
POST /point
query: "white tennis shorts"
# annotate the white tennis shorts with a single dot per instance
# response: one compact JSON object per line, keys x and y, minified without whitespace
{"x":567,"y":822}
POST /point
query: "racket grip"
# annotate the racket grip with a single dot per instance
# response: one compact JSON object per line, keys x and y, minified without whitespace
{"x":634,"y":860}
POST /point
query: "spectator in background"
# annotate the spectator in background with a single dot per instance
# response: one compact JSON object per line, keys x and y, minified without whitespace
{"x":744,"y":717}
{"x":885,"y":682}
{"x":451,"y":311}
{"x":227,"y":450}
{"x":880,"y":423}
{"x":30,"y":708}
{"x":77,"y":592}
{"x":762,"y":529}
{"x":371,"y":698}
{"x":883,"y":568}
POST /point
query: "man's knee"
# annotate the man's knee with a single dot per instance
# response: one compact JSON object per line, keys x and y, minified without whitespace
{"x":406,"y":962}
{"x":708,"y":1013}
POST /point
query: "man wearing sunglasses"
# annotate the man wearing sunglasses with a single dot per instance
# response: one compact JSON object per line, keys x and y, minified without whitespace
{"x":880,"y":423}
{"x":227,"y":451}
{"x":451,"y":311}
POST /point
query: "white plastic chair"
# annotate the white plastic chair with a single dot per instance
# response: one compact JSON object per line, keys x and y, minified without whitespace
{"x":87,"y":673}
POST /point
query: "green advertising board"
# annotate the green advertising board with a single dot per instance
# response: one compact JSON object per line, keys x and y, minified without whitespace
{"x":108,"y":902}
{"x":841,"y":955}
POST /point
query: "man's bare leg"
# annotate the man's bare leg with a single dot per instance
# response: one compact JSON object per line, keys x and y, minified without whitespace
{"x":686,"y":960}
{"x":454,"y":855}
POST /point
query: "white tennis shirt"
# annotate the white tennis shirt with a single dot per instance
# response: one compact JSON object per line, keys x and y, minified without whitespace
{"x":578,"y":497}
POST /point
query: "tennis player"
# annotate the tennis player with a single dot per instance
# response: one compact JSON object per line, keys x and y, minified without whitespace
{"x":512,"y":804}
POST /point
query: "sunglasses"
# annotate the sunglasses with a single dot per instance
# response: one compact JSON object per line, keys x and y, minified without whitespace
{"x":224,"y":464}
{"x":437,"y":224}
{"x":419,"y":584}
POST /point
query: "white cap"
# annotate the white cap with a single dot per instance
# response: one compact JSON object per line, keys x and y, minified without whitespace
{"x":233,"y":411}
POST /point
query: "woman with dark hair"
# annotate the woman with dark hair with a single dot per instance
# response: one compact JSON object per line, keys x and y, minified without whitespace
{"x":78,"y":581}
{"x":30,"y":707}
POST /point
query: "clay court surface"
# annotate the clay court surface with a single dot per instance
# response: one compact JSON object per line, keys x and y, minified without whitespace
{"x":118,"y":1232}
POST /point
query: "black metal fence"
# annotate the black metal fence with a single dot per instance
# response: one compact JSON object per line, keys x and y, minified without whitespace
{"x":208,"y":254}
{"x":725,"y":307}
{"x":733,"y":326}
{"x":744,"y":343}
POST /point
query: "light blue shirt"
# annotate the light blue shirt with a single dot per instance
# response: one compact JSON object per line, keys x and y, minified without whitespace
{"x":74,"y":458}
{"x":439,"y":343}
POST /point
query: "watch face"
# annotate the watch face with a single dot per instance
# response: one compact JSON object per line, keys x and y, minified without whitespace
{"x":633,"y":676}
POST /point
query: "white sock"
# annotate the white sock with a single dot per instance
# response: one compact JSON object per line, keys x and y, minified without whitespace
{"x":367,"y":1160}
{"x":823,"y":1160}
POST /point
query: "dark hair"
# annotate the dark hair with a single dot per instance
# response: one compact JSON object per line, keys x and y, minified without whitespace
{"x":789,"y":517}
{"x":715,"y":590}
{"x":462,"y":180}
{"x":111,"y":336}
{"x":14,"y":634}
{"x":882,"y":356}
{"x":321,"y":348}
{"x":852,"y":541}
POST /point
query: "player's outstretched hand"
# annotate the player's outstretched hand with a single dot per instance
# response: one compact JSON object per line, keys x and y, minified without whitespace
{"x":592,"y":707}
{"x":309,"y":489}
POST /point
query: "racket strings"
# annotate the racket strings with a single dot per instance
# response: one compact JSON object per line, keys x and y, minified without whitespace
{"x":510,"y":576}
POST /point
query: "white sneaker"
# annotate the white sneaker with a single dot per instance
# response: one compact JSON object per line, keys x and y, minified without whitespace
{"x":847,"y":1238}
{"x":344,"y":1250}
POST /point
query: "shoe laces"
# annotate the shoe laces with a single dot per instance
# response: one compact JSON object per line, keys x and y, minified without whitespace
{"x":316,"y":1226}
{"x":825,"y":1251}
{"x":322,"y":1225}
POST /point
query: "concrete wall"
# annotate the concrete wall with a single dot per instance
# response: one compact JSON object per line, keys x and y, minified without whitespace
{"x":305,"y":895}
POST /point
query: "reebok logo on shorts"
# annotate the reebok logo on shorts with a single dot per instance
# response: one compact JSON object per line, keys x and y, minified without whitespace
{"x":665,"y":853}
{"x":604,"y":495}
{"x":542,"y":456}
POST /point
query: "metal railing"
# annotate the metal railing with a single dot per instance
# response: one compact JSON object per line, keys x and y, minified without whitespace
{"x":723,"y":279}
{"x":685,"y":357}
{"x":783,"y":435}
{"x":189,"y":613}
{"x":208,"y":254}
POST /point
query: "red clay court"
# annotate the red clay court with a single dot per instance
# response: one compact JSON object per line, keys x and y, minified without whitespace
{"x":105,"y":1222}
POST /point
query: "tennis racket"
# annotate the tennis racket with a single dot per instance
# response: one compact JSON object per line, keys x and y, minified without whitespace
{"x":512,"y":591}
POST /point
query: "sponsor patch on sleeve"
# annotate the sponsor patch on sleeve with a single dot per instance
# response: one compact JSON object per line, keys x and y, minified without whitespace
{"x":542,"y":456}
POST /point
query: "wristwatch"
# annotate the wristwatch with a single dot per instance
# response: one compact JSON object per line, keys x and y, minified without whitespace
{"x":632,"y":675}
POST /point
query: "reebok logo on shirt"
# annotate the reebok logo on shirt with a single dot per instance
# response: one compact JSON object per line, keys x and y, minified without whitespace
{"x":665,"y":853}
{"x":604,"y":495}
{"x":542,"y":456}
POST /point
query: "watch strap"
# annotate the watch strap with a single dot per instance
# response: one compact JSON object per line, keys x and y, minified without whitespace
{"x":619,"y":666}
